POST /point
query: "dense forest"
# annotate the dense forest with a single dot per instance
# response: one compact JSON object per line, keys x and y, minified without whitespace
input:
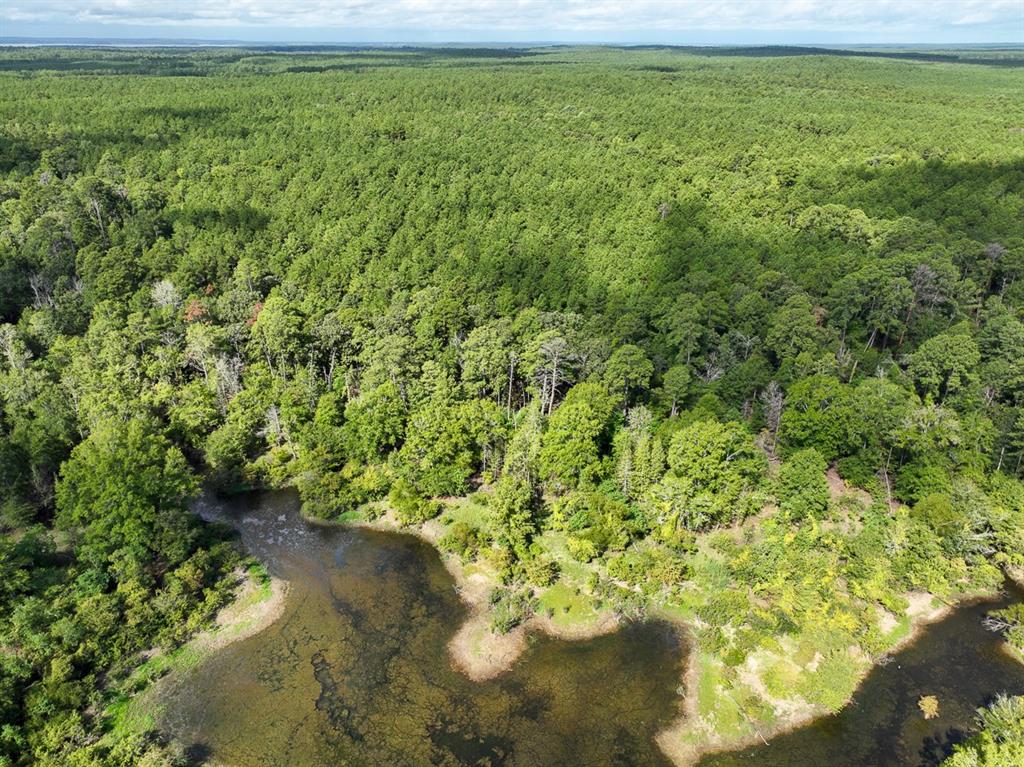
{"x":648,"y":305}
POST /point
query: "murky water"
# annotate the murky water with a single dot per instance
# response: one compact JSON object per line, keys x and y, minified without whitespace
{"x":356,"y":671}
{"x":957,"y":660}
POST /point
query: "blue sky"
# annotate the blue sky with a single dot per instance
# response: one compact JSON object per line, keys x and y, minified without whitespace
{"x":627,"y":21}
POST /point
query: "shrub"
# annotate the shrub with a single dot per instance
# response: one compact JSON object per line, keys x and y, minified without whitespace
{"x":833,"y":682}
{"x":860,"y":469}
{"x":541,"y":570}
{"x":581,"y":549}
{"x":918,"y":479}
{"x":650,"y":568}
{"x":462,"y":539}
{"x":410,"y":507}
{"x":509,"y":608}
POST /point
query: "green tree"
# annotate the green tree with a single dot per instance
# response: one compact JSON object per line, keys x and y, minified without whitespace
{"x":794,"y":329}
{"x":375,"y":423}
{"x":627,"y":371}
{"x":675,"y":387}
{"x":278,"y":335}
{"x":570,"y":453}
{"x":513,"y":510}
{"x":714,"y":470}
{"x":127,"y":488}
{"x":490,"y":361}
{"x":1000,"y":740}
{"x":946,"y":364}
{"x":819,"y":413}
{"x":801,"y":485}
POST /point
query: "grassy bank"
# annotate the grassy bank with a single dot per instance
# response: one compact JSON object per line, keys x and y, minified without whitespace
{"x":731,"y":699}
{"x":136,"y":703}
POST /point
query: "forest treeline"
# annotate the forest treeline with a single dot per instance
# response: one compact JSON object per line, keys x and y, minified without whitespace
{"x":640,"y":298}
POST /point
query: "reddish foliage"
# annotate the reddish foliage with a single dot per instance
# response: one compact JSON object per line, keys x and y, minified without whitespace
{"x":194,"y":310}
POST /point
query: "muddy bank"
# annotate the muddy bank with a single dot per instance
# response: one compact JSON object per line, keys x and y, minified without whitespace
{"x":949,"y":654}
{"x":358,"y":669}
{"x":475,"y":649}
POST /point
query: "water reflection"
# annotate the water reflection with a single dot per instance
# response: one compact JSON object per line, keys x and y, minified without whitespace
{"x":356,"y":671}
{"x":957,"y":660}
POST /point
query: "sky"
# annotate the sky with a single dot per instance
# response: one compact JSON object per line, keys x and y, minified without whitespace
{"x":614,"y":21}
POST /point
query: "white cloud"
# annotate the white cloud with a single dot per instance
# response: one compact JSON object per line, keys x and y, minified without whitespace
{"x":524,"y":20}
{"x":596,"y":15}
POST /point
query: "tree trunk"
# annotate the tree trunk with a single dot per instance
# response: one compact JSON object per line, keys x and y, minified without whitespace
{"x":511,"y":374}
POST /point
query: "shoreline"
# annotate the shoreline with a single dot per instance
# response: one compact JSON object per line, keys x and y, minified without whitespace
{"x":677,"y":740}
{"x":480,"y":654}
{"x":255,"y":606}
{"x":672,"y":740}
{"x":475,"y":650}
{"x":246,"y":615}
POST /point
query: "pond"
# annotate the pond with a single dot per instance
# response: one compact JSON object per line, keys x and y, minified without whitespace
{"x":957,"y":660}
{"x":356,"y":672}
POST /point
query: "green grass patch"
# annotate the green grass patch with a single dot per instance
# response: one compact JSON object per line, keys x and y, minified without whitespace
{"x":483,"y":568}
{"x":901,"y":631}
{"x":468,"y":511}
{"x":781,"y":678}
{"x":556,"y":546}
{"x":566,"y":607}
{"x":716,"y":701}
{"x":134,"y":708}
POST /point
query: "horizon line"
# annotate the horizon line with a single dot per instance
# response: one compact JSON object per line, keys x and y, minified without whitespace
{"x":199,"y":42}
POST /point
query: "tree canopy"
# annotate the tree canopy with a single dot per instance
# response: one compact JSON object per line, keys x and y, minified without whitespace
{"x":637,"y":301}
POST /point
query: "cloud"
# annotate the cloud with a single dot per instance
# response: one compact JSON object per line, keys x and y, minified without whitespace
{"x":600,"y":17}
{"x":483,"y":14}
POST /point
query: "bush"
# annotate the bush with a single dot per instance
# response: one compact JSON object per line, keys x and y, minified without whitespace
{"x":581,"y":549}
{"x":410,"y":507}
{"x":329,"y":494}
{"x":541,"y":570}
{"x":781,"y":678}
{"x":833,"y":682}
{"x":918,"y":479}
{"x":652,"y":569}
{"x":462,"y":539}
{"x":860,"y":469}
{"x":509,"y":608}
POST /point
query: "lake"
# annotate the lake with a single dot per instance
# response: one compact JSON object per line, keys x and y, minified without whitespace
{"x":356,"y":672}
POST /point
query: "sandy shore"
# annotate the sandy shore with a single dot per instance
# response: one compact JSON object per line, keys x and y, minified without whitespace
{"x":673,"y":740}
{"x":247,"y":614}
{"x":475,"y":650}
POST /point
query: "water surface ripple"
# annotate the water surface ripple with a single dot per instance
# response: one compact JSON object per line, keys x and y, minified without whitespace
{"x":356,"y":672}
